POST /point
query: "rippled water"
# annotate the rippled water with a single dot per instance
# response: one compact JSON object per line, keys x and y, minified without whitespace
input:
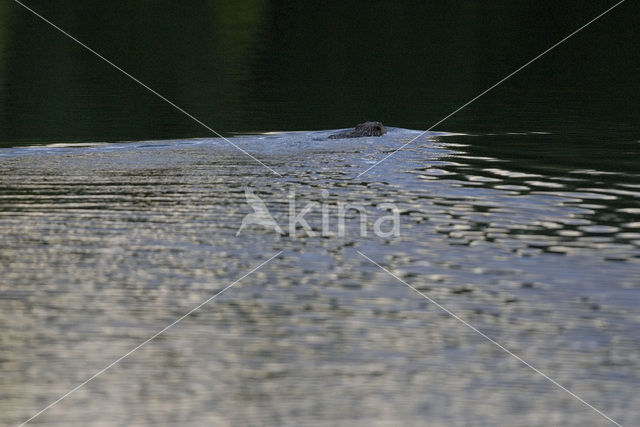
{"x":103,"y":245}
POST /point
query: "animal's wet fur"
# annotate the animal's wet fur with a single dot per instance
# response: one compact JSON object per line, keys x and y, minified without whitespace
{"x":363,"y":129}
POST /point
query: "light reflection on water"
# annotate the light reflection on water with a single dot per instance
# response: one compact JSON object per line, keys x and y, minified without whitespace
{"x":104,"y":245}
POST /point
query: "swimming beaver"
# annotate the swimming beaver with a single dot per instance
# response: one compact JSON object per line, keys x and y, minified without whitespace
{"x":363,"y":129}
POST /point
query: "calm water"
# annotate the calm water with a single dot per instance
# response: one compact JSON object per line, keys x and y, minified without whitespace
{"x":524,"y":219}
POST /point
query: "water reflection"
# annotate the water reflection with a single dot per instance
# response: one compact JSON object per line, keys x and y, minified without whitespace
{"x":103,"y":245}
{"x":258,"y":65}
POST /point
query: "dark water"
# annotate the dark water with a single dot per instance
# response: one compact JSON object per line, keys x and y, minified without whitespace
{"x":524,"y":219}
{"x":255,"y":65}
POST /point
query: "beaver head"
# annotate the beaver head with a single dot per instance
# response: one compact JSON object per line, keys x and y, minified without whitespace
{"x":370,"y":129}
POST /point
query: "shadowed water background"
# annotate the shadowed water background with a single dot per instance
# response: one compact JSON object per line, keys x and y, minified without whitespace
{"x":524,"y":221}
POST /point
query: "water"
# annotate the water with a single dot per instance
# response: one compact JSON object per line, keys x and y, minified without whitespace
{"x":261,"y":66}
{"x":104,"y":245}
{"x":119,"y":214}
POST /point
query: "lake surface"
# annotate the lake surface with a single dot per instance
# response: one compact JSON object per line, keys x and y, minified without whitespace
{"x":105,"y":244}
{"x":119,"y":214}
